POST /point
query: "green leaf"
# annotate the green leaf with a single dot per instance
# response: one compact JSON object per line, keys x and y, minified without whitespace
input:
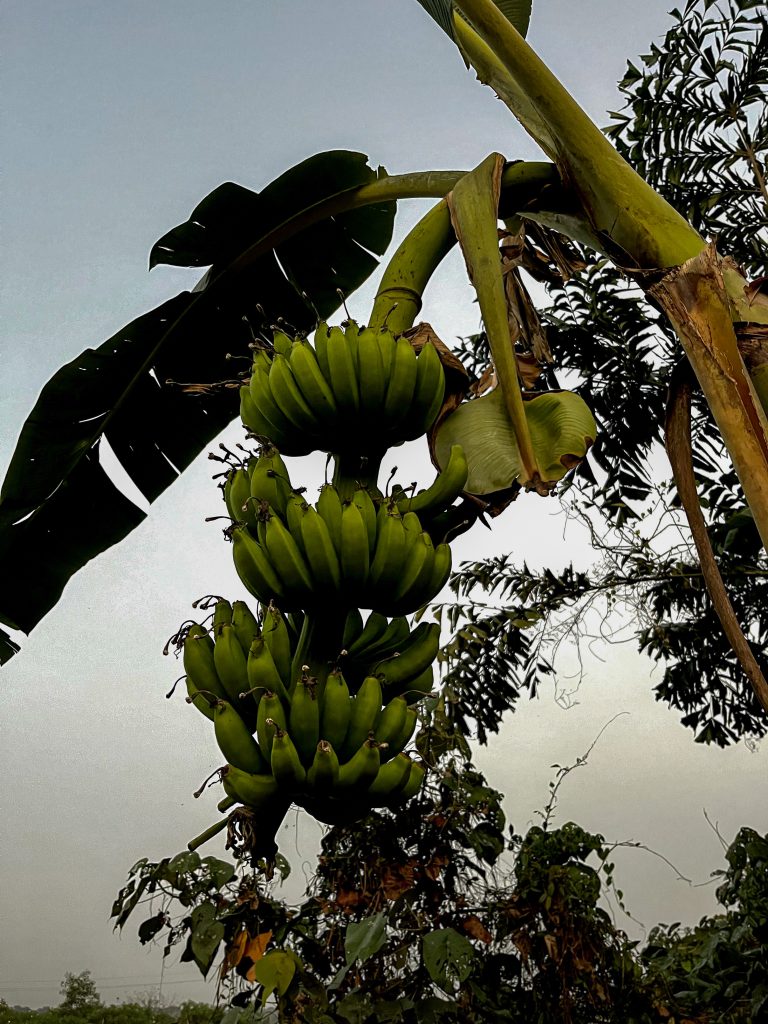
{"x":562,"y":429}
{"x":447,"y":957}
{"x":206,"y":935}
{"x":364,"y":938}
{"x":518,"y":12}
{"x":275,"y":972}
{"x":220,"y":871}
{"x":271,"y":255}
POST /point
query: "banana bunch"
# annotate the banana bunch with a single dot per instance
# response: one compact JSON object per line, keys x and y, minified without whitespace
{"x":363,"y":552}
{"x":353,"y":390}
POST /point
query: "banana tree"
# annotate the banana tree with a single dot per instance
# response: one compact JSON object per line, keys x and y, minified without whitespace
{"x":263,"y":254}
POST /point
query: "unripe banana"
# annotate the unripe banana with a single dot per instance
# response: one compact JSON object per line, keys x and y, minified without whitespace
{"x":368,"y":510}
{"x":366,"y":706}
{"x":251,"y":790}
{"x":374,"y":629}
{"x":281,"y":432}
{"x":360,"y":770}
{"x":413,"y":659}
{"x":262,"y":670}
{"x":270,"y":708}
{"x":391,"y":720}
{"x":321,"y":348}
{"x":277,"y":638}
{"x":355,"y":557}
{"x":371,"y":378}
{"x":235,"y":740}
{"x":446,"y":488}
{"x":237,"y":493}
{"x":288,"y":560}
{"x":404,"y":738}
{"x":320,"y":553}
{"x":342,"y":372}
{"x":295,"y":510}
{"x":222,"y":614}
{"x":255,"y":421}
{"x":256,"y":571}
{"x":413,"y":689}
{"x":198,"y":661}
{"x":281,"y":343}
{"x":324,"y":771}
{"x":386,"y":342}
{"x":428,"y":392}
{"x":330,"y":508}
{"x":314,"y":386}
{"x":419,"y":561}
{"x":353,"y":627}
{"x":200,"y":701}
{"x":390,"y":780}
{"x":389,"y":554}
{"x":270,"y":481}
{"x":396,"y":634}
{"x":401,"y":386}
{"x":230,"y":662}
{"x":304,"y":718}
{"x":290,"y":399}
{"x":245,"y":625}
{"x":430,"y":582}
{"x":335,"y":710}
{"x":284,"y":759}
{"x":413,"y":785}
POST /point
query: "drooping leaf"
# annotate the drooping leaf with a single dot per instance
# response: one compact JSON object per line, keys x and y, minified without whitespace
{"x":206,"y":935}
{"x":518,"y":12}
{"x":281,"y":253}
{"x":561,"y":427}
{"x":275,"y":972}
{"x":364,"y":938}
{"x":447,"y":957}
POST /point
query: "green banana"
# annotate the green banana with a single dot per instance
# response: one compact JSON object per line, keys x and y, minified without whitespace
{"x":304,"y":718}
{"x":200,"y":701}
{"x":222,"y":614}
{"x":281,"y":343}
{"x":342,"y":372}
{"x":387,"y":348}
{"x":270,"y":481}
{"x":401,"y":741}
{"x":321,"y":349}
{"x":419,"y":560}
{"x":278,"y":640}
{"x":320,"y":553}
{"x":446,"y":488}
{"x":330,"y":508}
{"x":235,"y":740}
{"x":374,"y":629}
{"x":353,"y":627}
{"x":295,"y":510}
{"x":413,"y":785}
{"x":237,"y":493}
{"x":355,"y":556}
{"x":414,"y":659}
{"x":313,"y":384}
{"x":371,"y":377}
{"x":389,"y":554}
{"x":256,"y":571}
{"x":368,"y":511}
{"x":391,"y":720}
{"x":365,"y":709}
{"x":324,"y":770}
{"x":430,"y":581}
{"x":249,"y":789}
{"x":255,"y":420}
{"x":335,"y":710}
{"x":415,"y":688}
{"x":360,"y":770}
{"x":427,"y":394}
{"x":230,"y":662}
{"x":281,"y":431}
{"x":396,"y":633}
{"x":199,"y":663}
{"x":284,"y":759}
{"x":245,"y":625}
{"x":270,"y":709}
{"x":290,"y":400}
{"x":285,"y":555}
{"x":262,"y":670}
{"x":401,"y":386}
{"x":391,"y":779}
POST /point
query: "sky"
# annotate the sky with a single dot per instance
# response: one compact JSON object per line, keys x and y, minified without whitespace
{"x":118,"y":119}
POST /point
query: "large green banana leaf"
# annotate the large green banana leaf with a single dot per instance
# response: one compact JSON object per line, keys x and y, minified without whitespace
{"x":561,"y":427}
{"x":58,"y":507}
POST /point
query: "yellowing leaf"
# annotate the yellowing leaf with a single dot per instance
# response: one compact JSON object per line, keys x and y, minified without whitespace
{"x":255,"y":951}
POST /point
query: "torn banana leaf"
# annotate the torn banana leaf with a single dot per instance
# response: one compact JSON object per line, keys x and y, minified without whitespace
{"x":561,"y":425}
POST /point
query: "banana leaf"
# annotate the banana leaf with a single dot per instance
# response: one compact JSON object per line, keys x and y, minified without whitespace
{"x":269,"y":256}
{"x":561,"y":428}
{"x":517,"y":12}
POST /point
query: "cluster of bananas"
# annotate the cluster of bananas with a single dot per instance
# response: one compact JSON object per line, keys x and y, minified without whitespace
{"x":353,"y":390}
{"x":369,"y":552}
{"x":334,"y":746}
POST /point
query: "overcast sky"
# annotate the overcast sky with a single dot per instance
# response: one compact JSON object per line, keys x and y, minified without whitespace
{"x":119,"y":118}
